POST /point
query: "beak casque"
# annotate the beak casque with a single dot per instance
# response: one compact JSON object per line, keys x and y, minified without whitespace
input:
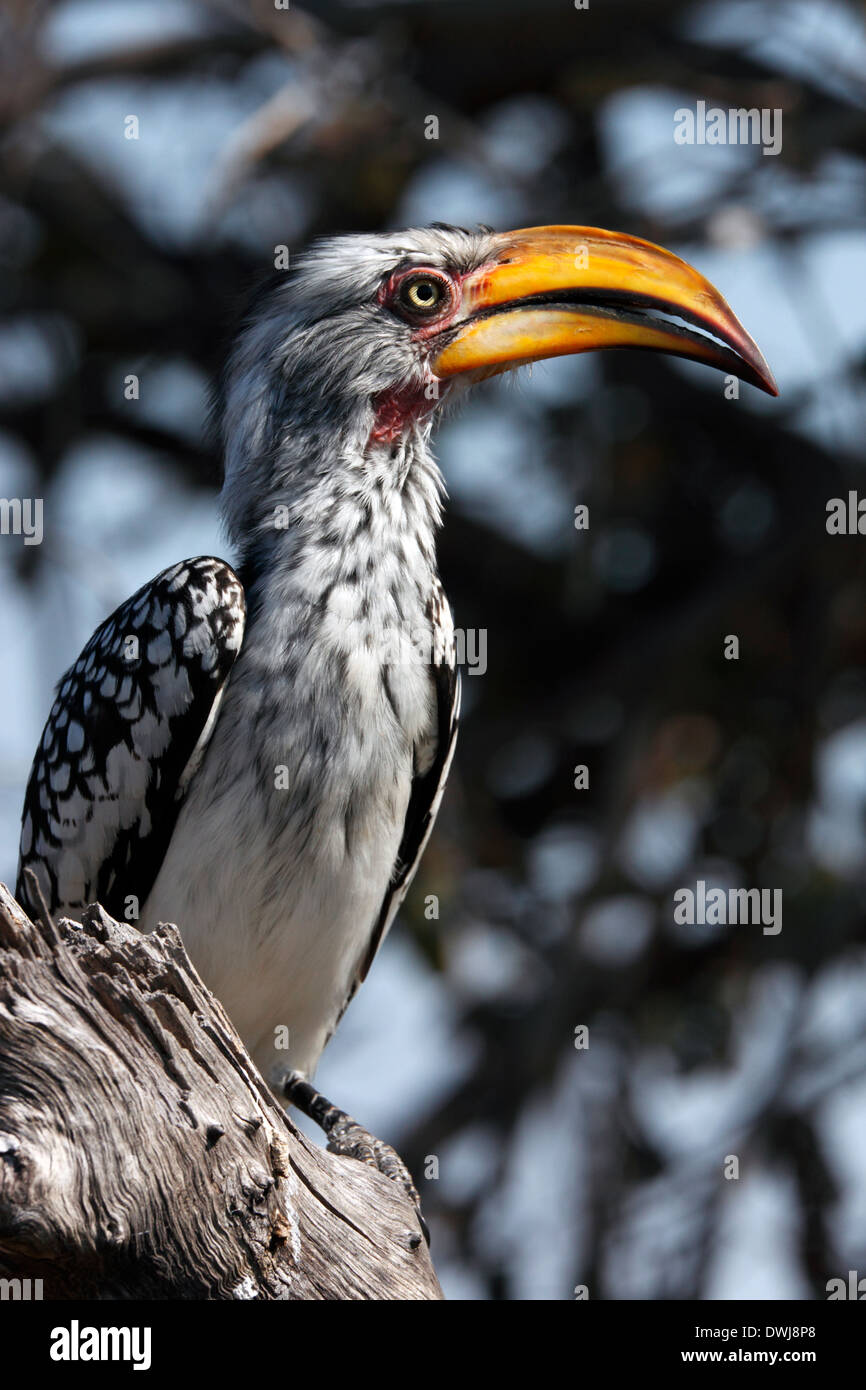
{"x":552,"y":291}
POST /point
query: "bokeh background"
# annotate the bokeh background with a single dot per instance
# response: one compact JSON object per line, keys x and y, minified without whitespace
{"x":260,"y":126}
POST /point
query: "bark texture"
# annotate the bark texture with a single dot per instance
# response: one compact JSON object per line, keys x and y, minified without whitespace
{"x":143,"y":1156}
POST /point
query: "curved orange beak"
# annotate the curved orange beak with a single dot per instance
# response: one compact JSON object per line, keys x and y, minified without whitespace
{"x":552,"y":291}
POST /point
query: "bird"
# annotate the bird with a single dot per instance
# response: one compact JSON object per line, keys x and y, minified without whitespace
{"x":256,"y":752}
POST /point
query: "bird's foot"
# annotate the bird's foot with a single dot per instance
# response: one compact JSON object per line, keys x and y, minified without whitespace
{"x":351,"y":1140}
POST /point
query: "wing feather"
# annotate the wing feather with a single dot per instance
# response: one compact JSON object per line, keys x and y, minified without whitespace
{"x":424,"y":801}
{"x":124,"y":737}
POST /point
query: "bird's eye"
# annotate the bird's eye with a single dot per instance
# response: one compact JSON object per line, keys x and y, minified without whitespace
{"x":422,"y":294}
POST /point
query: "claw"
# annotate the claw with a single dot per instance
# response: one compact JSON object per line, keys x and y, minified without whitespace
{"x":348,"y":1139}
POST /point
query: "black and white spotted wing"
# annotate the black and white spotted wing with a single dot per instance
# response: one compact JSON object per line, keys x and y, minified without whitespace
{"x":125,"y":734}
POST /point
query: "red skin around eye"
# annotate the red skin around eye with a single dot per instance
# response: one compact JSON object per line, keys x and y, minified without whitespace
{"x":389,"y":291}
{"x":398,"y":409}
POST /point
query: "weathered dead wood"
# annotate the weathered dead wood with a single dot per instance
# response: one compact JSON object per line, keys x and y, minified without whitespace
{"x":143,"y":1156}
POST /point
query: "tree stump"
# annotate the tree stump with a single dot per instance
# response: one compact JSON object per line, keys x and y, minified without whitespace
{"x":143,"y":1156}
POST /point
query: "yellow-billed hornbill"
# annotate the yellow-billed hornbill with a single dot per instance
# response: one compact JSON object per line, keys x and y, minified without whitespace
{"x":258,"y":754}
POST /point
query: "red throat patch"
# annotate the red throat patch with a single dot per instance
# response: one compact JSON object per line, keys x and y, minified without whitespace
{"x":397,"y":411}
